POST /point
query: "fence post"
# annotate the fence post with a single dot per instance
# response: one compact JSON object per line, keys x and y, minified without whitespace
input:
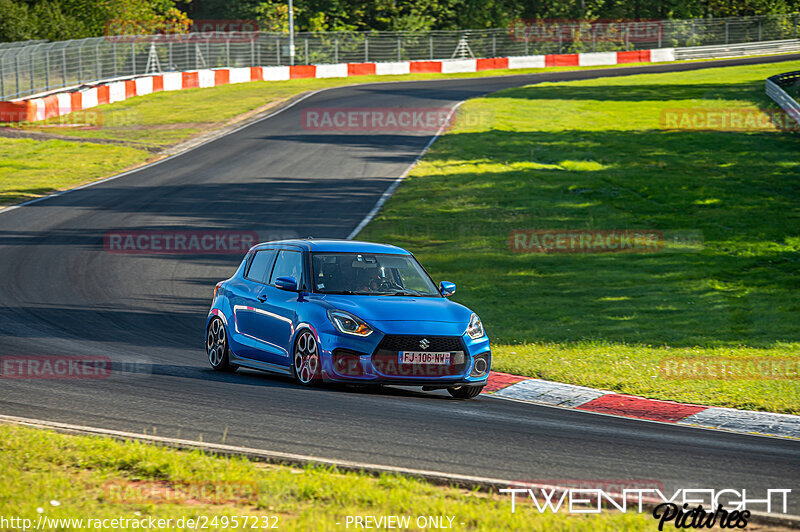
{"x":2,"y":78}
{"x":693,"y":40}
{"x":430,"y":45}
{"x":494,"y":43}
{"x":133,"y":57}
{"x":80,"y":63}
{"x":278,"y":50}
{"x":759,"y":29}
{"x":306,"y":50}
{"x":97,"y":68}
{"x":366,"y":49}
{"x":114,"y":53}
{"x":64,"y":66}
{"x":228,"y":51}
{"x":252,"y":51}
{"x":46,"y":70}
{"x":398,"y":48}
{"x":169,"y":56}
{"x":16,"y":71}
{"x":336,"y":49}
{"x":794,"y":21}
{"x":30,"y":66}
{"x":726,"y":31}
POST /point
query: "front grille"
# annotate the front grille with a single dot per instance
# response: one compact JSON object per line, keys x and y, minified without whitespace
{"x":393,"y":342}
{"x":385,"y":359}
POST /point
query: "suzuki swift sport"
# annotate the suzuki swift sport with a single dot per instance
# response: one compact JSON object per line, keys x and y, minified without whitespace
{"x":348,"y":312}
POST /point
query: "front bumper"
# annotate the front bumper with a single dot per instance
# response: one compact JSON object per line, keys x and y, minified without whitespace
{"x":376,"y":360}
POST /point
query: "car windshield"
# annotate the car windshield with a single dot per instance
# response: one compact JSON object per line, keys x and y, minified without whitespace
{"x":370,"y":274}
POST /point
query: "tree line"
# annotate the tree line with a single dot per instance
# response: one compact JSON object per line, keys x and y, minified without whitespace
{"x":74,"y":19}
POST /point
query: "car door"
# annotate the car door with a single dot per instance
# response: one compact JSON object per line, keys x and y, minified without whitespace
{"x":252,"y":317}
{"x":281,"y":305}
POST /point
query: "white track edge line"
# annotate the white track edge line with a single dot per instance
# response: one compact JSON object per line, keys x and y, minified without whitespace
{"x":439,"y":477}
{"x":396,"y":183}
{"x":618,"y":416}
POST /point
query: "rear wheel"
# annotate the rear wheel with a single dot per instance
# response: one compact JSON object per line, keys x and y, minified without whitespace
{"x":217,"y":346}
{"x":465,"y":392}
{"x":306,"y":365}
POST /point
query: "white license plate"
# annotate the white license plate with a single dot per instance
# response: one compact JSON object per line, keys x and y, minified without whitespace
{"x":424,"y":357}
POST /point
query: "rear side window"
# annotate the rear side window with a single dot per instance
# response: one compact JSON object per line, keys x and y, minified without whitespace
{"x":260,"y":265}
{"x":288,"y":264}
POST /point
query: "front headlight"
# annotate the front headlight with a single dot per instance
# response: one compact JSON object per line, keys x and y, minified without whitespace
{"x":348,"y":324}
{"x":475,"y":327}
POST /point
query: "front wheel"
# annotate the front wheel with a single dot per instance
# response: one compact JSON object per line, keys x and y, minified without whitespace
{"x":306,"y":364}
{"x":217,"y":346}
{"x":465,"y":392}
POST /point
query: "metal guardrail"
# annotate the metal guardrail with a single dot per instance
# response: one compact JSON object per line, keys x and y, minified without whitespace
{"x":737,"y":50}
{"x":30,"y":68}
{"x":775,"y":90}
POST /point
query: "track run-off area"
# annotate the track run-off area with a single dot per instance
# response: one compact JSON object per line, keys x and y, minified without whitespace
{"x":65,"y":294}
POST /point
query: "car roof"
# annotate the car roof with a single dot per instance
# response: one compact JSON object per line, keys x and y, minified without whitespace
{"x":334,"y":246}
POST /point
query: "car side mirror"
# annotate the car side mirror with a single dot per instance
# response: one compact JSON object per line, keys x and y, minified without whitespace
{"x":286,"y":283}
{"x":447,"y":289}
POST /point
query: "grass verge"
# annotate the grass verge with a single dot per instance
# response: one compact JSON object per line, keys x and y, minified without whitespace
{"x":78,"y":477}
{"x":595,"y":155}
{"x":146,"y":124}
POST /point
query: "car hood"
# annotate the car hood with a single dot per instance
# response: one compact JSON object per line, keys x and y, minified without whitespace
{"x":393,"y":309}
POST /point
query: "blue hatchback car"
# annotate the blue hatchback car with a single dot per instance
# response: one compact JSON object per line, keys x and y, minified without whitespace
{"x":349,"y":312}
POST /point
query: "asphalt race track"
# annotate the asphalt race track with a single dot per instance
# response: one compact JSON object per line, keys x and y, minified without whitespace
{"x":62,"y":294}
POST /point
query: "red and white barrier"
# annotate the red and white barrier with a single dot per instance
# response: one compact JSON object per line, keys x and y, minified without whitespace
{"x":41,"y":108}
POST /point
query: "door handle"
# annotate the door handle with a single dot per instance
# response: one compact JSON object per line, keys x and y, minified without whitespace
{"x":262,"y":298}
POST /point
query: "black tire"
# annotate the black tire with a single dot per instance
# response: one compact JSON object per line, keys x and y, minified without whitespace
{"x":306,"y":362}
{"x":465,"y":392}
{"x":217,"y":348}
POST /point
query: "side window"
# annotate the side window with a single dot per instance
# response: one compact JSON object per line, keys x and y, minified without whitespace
{"x":288,"y":264}
{"x":260,"y":265}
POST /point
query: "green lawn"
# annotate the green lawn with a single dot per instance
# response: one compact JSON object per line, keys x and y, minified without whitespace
{"x":31,"y":169}
{"x":593,"y":155}
{"x":98,"y":478}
